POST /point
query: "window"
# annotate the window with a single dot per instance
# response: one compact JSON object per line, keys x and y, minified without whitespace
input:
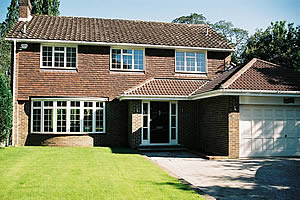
{"x":67,"y":116}
{"x":191,"y":62}
{"x":127,"y":59}
{"x":58,"y":57}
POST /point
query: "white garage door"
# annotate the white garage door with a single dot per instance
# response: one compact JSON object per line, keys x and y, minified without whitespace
{"x":269,"y":130}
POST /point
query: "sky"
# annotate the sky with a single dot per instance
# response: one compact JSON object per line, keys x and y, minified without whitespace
{"x":250,"y":15}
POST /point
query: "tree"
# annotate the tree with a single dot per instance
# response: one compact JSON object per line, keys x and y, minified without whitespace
{"x":236,"y":36}
{"x":42,"y":7}
{"x":193,"y":18}
{"x":6,"y":109}
{"x":279,"y":43}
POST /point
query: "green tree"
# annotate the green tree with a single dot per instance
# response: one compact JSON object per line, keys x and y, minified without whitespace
{"x":193,"y":18}
{"x":41,"y":7}
{"x":279,"y":43}
{"x":5,"y":109}
{"x":236,"y":36}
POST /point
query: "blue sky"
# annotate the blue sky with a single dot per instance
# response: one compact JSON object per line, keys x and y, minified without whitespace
{"x":249,"y":15}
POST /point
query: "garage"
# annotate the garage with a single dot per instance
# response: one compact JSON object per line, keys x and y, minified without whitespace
{"x":269,"y":130}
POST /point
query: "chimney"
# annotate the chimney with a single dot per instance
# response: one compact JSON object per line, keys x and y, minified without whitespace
{"x":24,"y":10}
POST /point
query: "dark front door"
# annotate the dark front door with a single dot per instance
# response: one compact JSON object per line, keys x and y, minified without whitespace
{"x":159,"y":122}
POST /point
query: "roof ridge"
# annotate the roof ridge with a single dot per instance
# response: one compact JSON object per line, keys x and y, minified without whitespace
{"x":238,"y":74}
{"x":179,"y":79}
{"x":130,"y":20}
{"x":138,"y":86}
{"x":267,"y":62}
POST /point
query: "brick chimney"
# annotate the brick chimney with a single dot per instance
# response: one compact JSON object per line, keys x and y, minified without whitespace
{"x":24,"y":10}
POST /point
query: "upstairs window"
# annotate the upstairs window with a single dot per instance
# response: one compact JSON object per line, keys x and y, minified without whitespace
{"x":190,"y":62}
{"x":127,"y":59}
{"x":58,"y":57}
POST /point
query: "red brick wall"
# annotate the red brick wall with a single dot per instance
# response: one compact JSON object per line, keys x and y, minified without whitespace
{"x":213,"y":125}
{"x":94,"y":78}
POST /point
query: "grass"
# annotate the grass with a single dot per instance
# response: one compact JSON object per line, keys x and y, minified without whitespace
{"x":84,"y":173}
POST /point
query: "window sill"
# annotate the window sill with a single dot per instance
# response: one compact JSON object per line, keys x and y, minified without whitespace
{"x":198,"y":74}
{"x":69,"y":133}
{"x":59,"y":69}
{"x":118,"y":71}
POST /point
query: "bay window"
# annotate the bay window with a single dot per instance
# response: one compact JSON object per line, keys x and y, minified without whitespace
{"x":58,"y":57}
{"x":190,"y":62}
{"x":127,"y":59}
{"x":67,"y":116}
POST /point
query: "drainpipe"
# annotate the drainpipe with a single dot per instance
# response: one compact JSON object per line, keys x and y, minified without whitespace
{"x":14,"y":95}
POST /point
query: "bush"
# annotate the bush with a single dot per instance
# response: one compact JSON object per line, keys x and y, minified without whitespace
{"x":6,"y":109}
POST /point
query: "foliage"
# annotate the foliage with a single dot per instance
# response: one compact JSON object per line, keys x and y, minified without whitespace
{"x":193,"y":18}
{"x":279,"y":43}
{"x":5,"y":109}
{"x":85,"y":173}
{"x":236,"y":36}
{"x":43,"y":7}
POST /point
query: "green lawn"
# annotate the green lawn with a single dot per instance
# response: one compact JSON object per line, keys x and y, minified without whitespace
{"x":84,"y":173}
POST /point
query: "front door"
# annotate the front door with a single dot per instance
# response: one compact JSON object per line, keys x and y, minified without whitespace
{"x":159,"y":124}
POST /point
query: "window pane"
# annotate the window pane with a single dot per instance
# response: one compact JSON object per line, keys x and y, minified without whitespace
{"x":71,"y":57}
{"x":59,"y":56}
{"x":61,"y":103}
{"x":75,"y":103}
{"x":138,"y":59}
{"x":173,"y":109}
{"x":47,"y":56}
{"x":145,"y":108}
{"x":201,"y":66}
{"x":99,"y":121}
{"x":180,"y":61}
{"x":36,"y":104}
{"x":75,"y":120}
{"x":88,"y":120}
{"x":190,"y":61}
{"x":145,"y":122}
{"x":99,"y":104}
{"x":61,"y":120}
{"x":173,"y":133}
{"x":36,"y":120}
{"x":116,"y":59}
{"x":48,"y":120}
{"x":173,"y":121}
{"x":127,"y":62}
{"x":88,"y":104}
{"x":145,"y":133}
{"x":48,"y":103}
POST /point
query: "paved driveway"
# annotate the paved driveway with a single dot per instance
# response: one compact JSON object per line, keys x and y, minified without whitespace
{"x":269,"y":178}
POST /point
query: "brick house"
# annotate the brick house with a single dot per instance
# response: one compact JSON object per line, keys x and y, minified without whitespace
{"x":108,"y":82}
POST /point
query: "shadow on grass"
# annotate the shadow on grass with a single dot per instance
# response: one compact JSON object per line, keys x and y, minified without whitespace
{"x":122,"y":150}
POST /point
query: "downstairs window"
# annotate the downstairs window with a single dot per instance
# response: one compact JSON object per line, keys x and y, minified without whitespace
{"x":67,"y":116}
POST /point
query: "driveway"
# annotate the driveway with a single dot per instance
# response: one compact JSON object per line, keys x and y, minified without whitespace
{"x":268,"y":178}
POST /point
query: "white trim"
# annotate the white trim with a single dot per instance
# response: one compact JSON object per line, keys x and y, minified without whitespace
{"x":68,"y":99}
{"x":53,"y":45}
{"x":25,"y":19}
{"x":14,"y":129}
{"x":68,"y":114}
{"x":126,"y":48}
{"x":185,"y":64}
{"x":153,"y":97}
{"x":121,"y":44}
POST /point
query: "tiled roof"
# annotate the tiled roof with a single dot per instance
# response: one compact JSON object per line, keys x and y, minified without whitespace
{"x":172,"y":87}
{"x":262,"y":75}
{"x":118,"y":31}
{"x":216,"y":82}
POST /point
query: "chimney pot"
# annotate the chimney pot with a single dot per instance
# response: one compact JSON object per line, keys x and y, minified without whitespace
{"x":25,"y":10}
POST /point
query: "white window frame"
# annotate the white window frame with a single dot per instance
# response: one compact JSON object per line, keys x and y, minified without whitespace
{"x":68,"y":107}
{"x":185,"y":64}
{"x":127,"y":48}
{"x":65,"y":56}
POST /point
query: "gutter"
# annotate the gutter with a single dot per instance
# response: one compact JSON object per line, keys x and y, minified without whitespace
{"x":119,"y":44}
{"x":153,"y":97}
{"x":14,"y":95}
